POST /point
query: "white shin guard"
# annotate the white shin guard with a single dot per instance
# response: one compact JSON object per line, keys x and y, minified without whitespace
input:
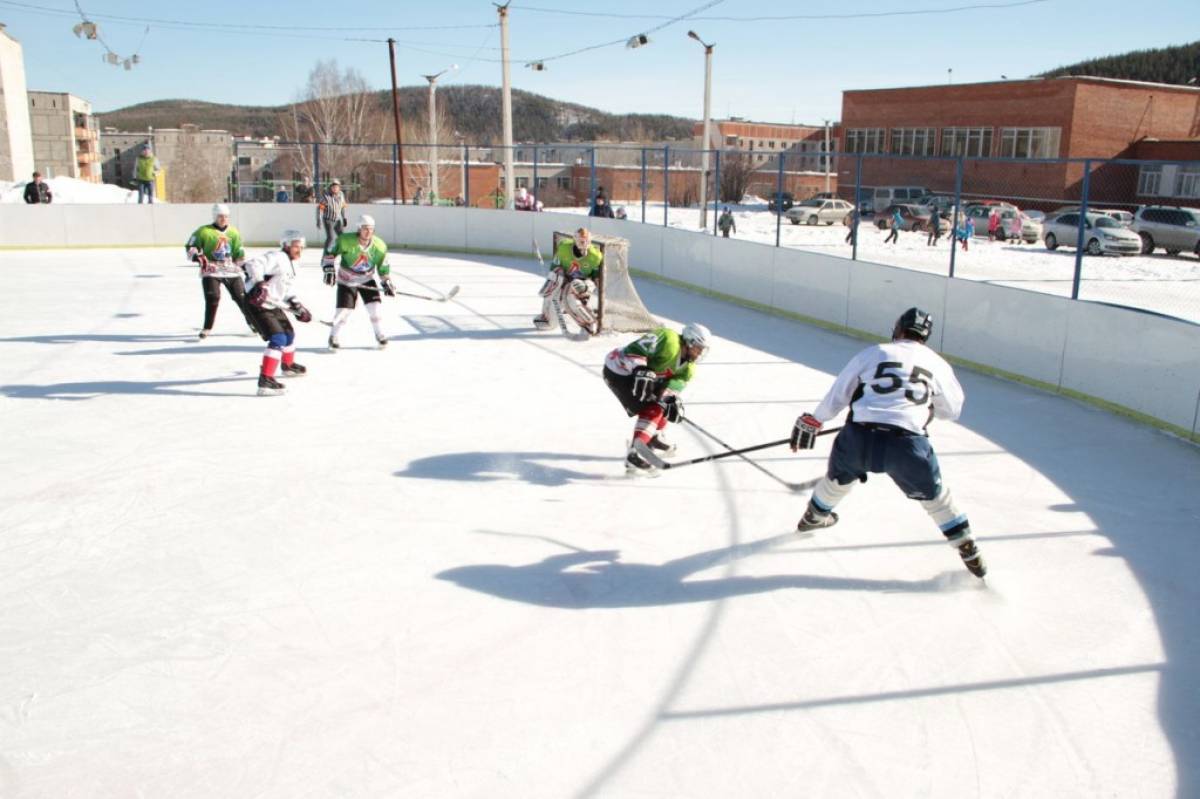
{"x":339,"y":319}
{"x":374,"y":310}
{"x":828,"y":494}
{"x":948,"y":518}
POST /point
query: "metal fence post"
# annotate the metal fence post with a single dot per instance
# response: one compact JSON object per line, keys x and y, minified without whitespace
{"x":666,"y":184}
{"x":643,"y":185}
{"x":317,"y":170}
{"x":592,"y":177}
{"x":779,"y":202}
{"x":716,"y":189}
{"x":466,"y":177}
{"x":958,"y":181}
{"x":234,"y":192}
{"x":535,"y":176}
{"x":1083,"y":207}
{"x":395,"y":172}
{"x":856,"y":218}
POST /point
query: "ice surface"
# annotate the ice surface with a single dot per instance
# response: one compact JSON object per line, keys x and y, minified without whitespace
{"x":423,"y":573}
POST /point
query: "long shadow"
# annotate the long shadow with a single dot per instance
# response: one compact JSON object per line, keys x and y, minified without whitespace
{"x":101,"y":388}
{"x":199,"y":349}
{"x":75,"y":338}
{"x":492,"y":466}
{"x":598,"y":579}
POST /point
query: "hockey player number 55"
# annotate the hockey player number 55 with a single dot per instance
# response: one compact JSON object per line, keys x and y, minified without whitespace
{"x":896,"y":381}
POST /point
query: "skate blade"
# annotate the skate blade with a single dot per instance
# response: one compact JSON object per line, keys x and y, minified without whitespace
{"x":635,"y":473}
{"x":270,"y":392}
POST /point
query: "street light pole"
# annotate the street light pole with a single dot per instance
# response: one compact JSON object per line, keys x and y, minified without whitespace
{"x":826,"y":159}
{"x":708,"y":50}
{"x":396,"y":116}
{"x":506,"y":106}
{"x":434,"y":161}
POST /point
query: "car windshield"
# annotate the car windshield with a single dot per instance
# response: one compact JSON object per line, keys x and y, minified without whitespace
{"x":813,"y":203}
{"x":1105,"y":221}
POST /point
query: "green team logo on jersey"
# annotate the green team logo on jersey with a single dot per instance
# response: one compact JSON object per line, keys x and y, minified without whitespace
{"x":358,"y":259}
{"x":663,"y":350}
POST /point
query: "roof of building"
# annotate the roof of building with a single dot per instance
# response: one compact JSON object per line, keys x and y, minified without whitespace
{"x":1016,"y":81}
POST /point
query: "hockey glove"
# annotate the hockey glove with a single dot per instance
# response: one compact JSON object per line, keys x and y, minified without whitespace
{"x":258,"y":295}
{"x":329,"y":277}
{"x":673,"y":408}
{"x":804,"y":432}
{"x":205,"y":267}
{"x":645,"y":384}
{"x":301,"y":313}
{"x":581,"y":289}
{"x":388,"y":288}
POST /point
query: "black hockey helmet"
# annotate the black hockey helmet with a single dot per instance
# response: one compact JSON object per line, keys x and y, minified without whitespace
{"x":914,"y":323}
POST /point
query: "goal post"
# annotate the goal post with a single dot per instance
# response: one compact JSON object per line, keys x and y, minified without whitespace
{"x":618,"y":308}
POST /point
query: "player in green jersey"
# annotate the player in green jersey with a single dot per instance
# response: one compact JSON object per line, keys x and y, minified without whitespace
{"x":217,"y":249}
{"x":357,"y":264}
{"x":573,"y":274}
{"x":646,"y":376}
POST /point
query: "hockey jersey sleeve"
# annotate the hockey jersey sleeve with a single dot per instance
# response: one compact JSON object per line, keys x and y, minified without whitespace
{"x":839,"y":396}
{"x":236,"y":252}
{"x":948,"y":395}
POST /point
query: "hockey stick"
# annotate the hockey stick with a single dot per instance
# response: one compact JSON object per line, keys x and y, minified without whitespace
{"x":449,"y":295}
{"x":583,"y":334}
{"x":652,"y":457}
{"x":793,"y":486}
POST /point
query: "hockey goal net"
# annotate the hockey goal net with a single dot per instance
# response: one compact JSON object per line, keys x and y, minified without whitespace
{"x":619,"y":308}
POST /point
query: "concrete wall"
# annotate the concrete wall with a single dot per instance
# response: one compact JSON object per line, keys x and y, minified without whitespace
{"x":1148,"y":365}
{"x":16,"y":139}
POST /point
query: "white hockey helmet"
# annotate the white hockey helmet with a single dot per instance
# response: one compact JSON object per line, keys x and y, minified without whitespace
{"x":291,"y":235}
{"x":583,"y":238}
{"x":366,"y":220}
{"x":522,"y":191}
{"x":696,"y":335}
{"x":220,"y":209}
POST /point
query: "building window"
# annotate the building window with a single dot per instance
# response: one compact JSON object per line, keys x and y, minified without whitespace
{"x":1029,"y":142}
{"x":913,"y":141}
{"x":543,"y":183}
{"x":243,"y":160}
{"x":1189,"y":181}
{"x":522,"y":183}
{"x":969,"y":142}
{"x":1150,"y":180}
{"x":563,"y":183}
{"x":864,"y":140}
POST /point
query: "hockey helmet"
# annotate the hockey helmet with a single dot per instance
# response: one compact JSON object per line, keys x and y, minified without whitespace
{"x":220,"y":209}
{"x":292,"y":235}
{"x":583,"y":238}
{"x":366,"y":220}
{"x":696,"y":335}
{"x":915,"y":324}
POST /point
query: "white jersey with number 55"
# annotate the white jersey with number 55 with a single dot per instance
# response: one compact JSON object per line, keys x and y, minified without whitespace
{"x":901,"y":383}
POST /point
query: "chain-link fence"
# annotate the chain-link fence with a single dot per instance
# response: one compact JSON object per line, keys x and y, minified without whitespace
{"x":1109,"y":230}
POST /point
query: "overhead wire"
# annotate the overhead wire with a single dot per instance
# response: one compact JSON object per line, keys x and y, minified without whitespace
{"x":785,"y":17}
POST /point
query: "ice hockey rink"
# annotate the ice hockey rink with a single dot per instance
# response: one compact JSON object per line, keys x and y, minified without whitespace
{"x":423,"y":573}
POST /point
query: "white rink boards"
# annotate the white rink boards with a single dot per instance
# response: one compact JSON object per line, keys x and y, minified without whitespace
{"x":423,"y":573}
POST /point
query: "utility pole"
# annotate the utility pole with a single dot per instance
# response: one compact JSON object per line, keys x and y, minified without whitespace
{"x":506,"y":106}
{"x":827,"y":156}
{"x":708,"y":50}
{"x":396,"y":119}
{"x":434,"y":160}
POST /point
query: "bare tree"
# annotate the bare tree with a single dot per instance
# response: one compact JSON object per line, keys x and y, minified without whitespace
{"x":337,"y":109}
{"x":737,"y":171}
{"x":418,"y":155}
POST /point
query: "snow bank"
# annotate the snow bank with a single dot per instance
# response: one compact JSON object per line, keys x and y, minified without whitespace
{"x":71,"y":191}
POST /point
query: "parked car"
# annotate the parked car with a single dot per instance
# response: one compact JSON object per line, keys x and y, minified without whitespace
{"x":944,"y":203}
{"x":1101,"y":234}
{"x":883,"y":196}
{"x":1031,"y":229}
{"x":913,"y":217}
{"x":1175,"y":230}
{"x":781,"y":201}
{"x":813,"y":211}
{"x":824,"y":195}
{"x":1124,"y":217}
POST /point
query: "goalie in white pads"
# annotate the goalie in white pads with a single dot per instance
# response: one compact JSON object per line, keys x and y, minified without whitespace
{"x":573,"y":273}
{"x":269,"y":279}
{"x":894,"y":390}
{"x":646,"y":376}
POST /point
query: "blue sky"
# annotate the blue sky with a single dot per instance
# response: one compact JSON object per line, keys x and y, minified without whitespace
{"x":776,"y":71}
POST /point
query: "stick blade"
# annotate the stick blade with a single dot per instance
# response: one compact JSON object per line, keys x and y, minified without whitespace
{"x":650,"y":456}
{"x":451,"y":294}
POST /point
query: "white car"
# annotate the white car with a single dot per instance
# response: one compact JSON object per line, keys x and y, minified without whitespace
{"x":810,"y":212}
{"x":1101,"y":234}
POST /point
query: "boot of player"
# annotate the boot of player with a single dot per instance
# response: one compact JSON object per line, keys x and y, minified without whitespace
{"x":204,"y":334}
{"x":293,"y":370}
{"x":814,"y":519}
{"x":269,"y":386}
{"x":333,"y":344}
{"x":660,"y":445}
{"x":541,"y":322}
{"x":381,"y":340}
{"x":969,"y":553}
{"x":637,"y":466}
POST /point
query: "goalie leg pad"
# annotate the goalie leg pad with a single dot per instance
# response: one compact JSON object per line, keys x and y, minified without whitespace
{"x":579,"y":311}
{"x":548,"y":315}
{"x":553,"y":282}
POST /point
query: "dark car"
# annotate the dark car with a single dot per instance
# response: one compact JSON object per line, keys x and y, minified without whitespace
{"x":780,"y":202}
{"x":914,"y":217}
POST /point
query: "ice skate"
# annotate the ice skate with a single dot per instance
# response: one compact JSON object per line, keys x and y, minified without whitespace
{"x":293,"y":370}
{"x":269,"y":386}
{"x":813,"y":519}
{"x":541,"y":322}
{"x":637,"y":466}
{"x":205,"y":334}
{"x":333,"y":344}
{"x":382,"y":341}
{"x":660,"y":445}
{"x":971,"y":556}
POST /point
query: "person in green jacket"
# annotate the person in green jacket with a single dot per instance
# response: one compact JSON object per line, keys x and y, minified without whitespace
{"x":646,"y":376}
{"x":573,"y":274}
{"x":357,"y":264}
{"x":217,"y":249}
{"x":144,"y":172}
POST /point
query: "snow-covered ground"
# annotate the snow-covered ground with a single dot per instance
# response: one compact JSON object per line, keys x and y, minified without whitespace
{"x":1165,"y":284}
{"x":71,"y":191}
{"x":423,"y":573}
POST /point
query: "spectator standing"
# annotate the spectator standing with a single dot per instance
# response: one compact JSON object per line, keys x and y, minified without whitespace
{"x":418,"y":195}
{"x":935,"y":229}
{"x":600,"y":206}
{"x":524,"y":201}
{"x":968,"y":230}
{"x":145,"y":172}
{"x":331,"y":212}
{"x":36,"y":190}
{"x":1016,"y":227}
{"x":855,"y":218}
{"x":897,"y":222}
{"x":281,"y":195}
{"x":993,"y":224}
{"x":726,"y":223}
{"x":304,"y":192}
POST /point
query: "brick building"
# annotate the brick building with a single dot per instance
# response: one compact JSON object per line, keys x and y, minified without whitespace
{"x":1020,"y":120}
{"x":65,"y":136}
{"x":682,"y":184}
{"x":762,"y":142}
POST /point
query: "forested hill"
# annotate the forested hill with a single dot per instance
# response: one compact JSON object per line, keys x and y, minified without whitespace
{"x":474,"y":111}
{"x":1163,"y":65}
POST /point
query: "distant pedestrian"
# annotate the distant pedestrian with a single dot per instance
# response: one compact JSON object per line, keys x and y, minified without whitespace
{"x":145,"y":173}
{"x":281,"y":195}
{"x":935,"y":229}
{"x":331,"y":212}
{"x":36,"y":190}
{"x":855,"y":218}
{"x":994,"y":225}
{"x":726,"y":223}
{"x":897,"y":222}
{"x":1016,"y":227}
{"x":419,"y":195}
{"x":966,"y":232}
{"x":600,"y":206}
{"x":304,"y":192}
{"x":524,"y":201}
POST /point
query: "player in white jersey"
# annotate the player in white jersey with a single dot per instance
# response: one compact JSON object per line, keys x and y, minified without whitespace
{"x":269,"y":279}
{"x":894,"y":390}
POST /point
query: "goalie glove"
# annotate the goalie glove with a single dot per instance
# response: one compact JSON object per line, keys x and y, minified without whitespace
{"x":388,"y":288}
{"x":645,"y":384}
{"x":553,"y":281}
{"x":581,"y":289}
{"x":330,"y":277}
{"x":258,"y":295}
{"x":673,"y":408}
{"x":301,"y":313}
{"x":804,"y":432}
